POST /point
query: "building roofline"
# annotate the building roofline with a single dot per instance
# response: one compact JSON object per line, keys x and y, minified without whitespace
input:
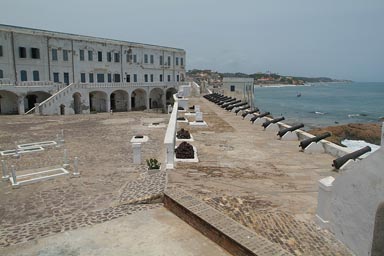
{"x":33,"y":31}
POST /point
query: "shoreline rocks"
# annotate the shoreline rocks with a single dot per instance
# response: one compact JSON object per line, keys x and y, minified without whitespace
{"x":369,"y":132}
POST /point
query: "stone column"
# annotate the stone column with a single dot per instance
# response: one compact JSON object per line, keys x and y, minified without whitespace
{"x":20,"y":104}
{"x":108,"y":103}
{"x":147,"y":103}
{"x":136,"y":148}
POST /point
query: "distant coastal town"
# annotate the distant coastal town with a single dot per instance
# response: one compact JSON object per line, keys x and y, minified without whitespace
{"x":268,"y":78}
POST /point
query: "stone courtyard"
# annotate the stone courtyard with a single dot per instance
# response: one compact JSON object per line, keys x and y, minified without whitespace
{"x":245,"y":173}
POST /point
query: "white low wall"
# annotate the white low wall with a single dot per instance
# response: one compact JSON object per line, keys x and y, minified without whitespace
{"x":170,"y":138}
{"x":348,"y":205}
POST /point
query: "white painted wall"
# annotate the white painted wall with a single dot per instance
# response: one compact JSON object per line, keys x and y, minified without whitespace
{"x":355,"y":197}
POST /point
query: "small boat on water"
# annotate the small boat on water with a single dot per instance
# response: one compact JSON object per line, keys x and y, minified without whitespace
{"x":298,"y":94}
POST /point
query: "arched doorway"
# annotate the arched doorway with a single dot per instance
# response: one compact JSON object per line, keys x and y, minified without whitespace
{"x":156,"y":98}
{"x":119,"y":101}
{"x":8,"y":103}
{"x":139,"y":99}
{"x":77,"y":103}
{"x":169,"y":95}
{"x":378,"y":232}
{"x":98,"y":101}
{"x":35,"y":97}
{"x":62,"y":109}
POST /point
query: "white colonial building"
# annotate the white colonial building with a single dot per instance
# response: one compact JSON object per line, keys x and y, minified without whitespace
{"x":57,"y":73}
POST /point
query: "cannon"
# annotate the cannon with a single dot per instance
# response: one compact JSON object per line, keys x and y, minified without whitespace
{"x":241,"y":108}
{"x":282,"y":132}
{"x":222,"y":101}
{"x":230,"y":107}
{"x":249,"y":112}
{"x":273,"y":121}
{"x":219,"y":98}
{"x":259,"y":116}
{"x":230,"y":103}
{"x":339,"y":162}
{"x":305,"y":143}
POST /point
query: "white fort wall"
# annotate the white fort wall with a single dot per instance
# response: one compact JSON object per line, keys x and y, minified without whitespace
{"x":73,"y":59}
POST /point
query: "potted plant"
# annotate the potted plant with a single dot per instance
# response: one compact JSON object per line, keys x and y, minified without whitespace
{"x":153,"y":165}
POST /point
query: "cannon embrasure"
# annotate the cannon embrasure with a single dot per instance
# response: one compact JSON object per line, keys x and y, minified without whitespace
{"x":305,"y":143}
{"x":241,"y":108}
{"x":259,"y":116}
{"x":339,"y":162}
{"x":230,"y":103}
{"x":230,"y":107}
{"x":282,"y":132}
{"x":273,"y":121}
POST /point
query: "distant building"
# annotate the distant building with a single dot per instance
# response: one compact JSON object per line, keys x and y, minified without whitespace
{"x":103,"y":74}
{"x":238,"y":87}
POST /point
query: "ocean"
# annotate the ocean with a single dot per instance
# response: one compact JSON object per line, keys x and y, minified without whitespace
{"x":324,"y":104}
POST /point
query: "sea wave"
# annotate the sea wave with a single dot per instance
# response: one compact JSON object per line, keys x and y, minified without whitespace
{"x":319,"y":113}
{"x":356,"y":115}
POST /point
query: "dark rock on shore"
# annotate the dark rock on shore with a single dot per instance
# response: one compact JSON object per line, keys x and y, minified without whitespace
{"x":370,"y":133}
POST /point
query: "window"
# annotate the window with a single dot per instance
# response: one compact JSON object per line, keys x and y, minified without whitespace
{"x":109,"y":78}
{"x":169,"y":61}
{"x":100,"y":78}
{"x":36,"y":76}
{"x":1,"y":74}
{"x":54,"y":54}
{"x":134,"y":58}
{"x":82,"y":77}
{"x":182,"y":61}
{"x":109,"y":56}
{"x":151,"y":59}
{"x":22,"y":52}
{"x":82,"y":55}
{"x":145,"y":78}
{"x":232,"y":88}
{"x":1,"y":51}
{"x":91,"y":77}
{"x":100,"y":56}
{"x":177,"y":78}
{"x":135,"y":78}
{"x":128,"y":78}
{"x":151,"y":77}
{"x":23,"y":75}
{"x":65,"y":55}
{"x":116,"y":78}
{"x":161,"y":78}
{"x":35,"y":54}
{"x":56,"y":77}
{"x":90,"y":55}
{"x":169,"y":78}
{"x":161,"y":60}
{"x":177,"y":61}
{"x":66,"y":78}
{"x":145,"y":58}
{"x":117,"y":57}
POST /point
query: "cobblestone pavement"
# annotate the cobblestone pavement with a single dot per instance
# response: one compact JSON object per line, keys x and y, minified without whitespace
{"x":296,"y":236}
{"x":109,"y":186}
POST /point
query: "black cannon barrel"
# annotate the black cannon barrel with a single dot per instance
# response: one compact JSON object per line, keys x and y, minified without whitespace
{"x":241,"y":108}
{"x":250,"y":112}
{"x":230,"y":103}
{"x":229,"y":99}
{"x":253,"y":119}
{"x":273,"y":121}
{"x":218,"y":99}
{"x":339,"y":162}
{"x":306,"y":142}
{"x":220,"y":103}
{"x":289,"y":129}
{"x":230,"y":107}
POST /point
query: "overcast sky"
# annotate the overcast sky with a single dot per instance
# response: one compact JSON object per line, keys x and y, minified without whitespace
{"x":336,"y":38}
